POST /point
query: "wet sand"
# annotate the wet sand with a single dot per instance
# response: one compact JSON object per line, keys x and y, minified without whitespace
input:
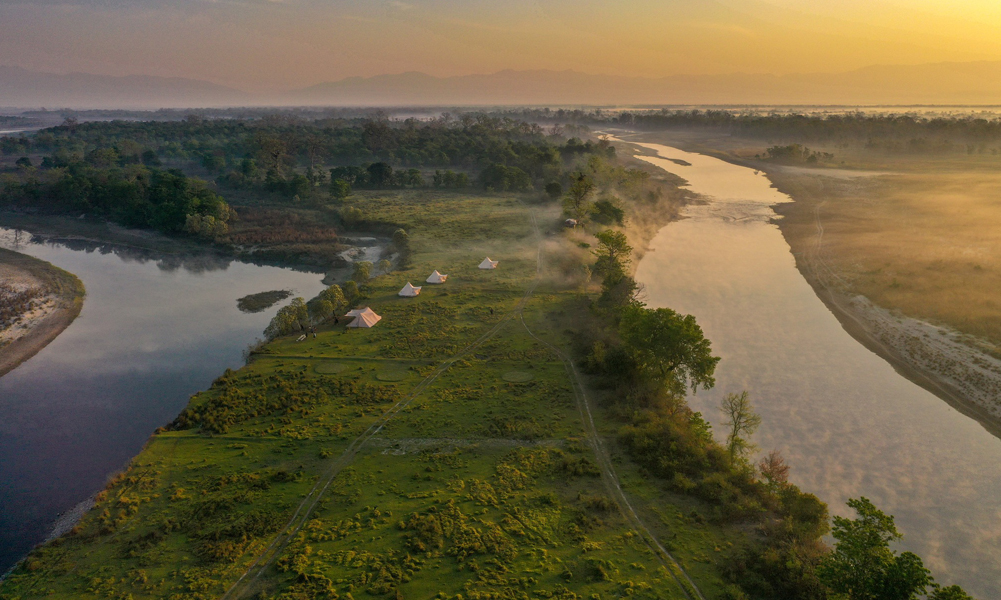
{"x":62,"y":304}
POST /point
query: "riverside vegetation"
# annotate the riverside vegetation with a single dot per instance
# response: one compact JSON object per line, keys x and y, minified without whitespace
{"x":450,"y":451}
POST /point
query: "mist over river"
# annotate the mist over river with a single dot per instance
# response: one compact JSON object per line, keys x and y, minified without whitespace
{"x":847,"y":423}
{"x":154,"y":329}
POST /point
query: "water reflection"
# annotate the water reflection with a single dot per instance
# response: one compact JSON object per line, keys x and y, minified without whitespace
{"x":846,"y":421}
{"x":196,"y":262}
{"x":154,"y":329}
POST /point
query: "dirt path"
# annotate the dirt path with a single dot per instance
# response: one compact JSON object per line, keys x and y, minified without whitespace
{"x":63,"y":302}
{"x":608,"y":475}
{"x":246,"y":582}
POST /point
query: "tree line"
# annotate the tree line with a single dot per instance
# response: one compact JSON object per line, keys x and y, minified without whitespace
{"x":652,"y":358}
{"x":133,"y":195}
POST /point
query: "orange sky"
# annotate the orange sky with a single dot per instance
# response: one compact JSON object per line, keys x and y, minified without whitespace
{"x":261,"y":45}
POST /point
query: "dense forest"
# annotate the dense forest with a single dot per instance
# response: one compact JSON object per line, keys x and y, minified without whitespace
{"x":173,"y":175}
{"x":888,"y":132}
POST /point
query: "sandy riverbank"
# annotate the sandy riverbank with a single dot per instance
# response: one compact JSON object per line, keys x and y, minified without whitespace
{"x":961,"y":368}
{"x":60,"y":304}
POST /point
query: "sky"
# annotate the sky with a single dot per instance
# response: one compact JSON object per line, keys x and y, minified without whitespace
{"x":272,"y":45}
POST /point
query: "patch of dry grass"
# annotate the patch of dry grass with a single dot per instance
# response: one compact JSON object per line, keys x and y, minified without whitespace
{"x":924,"y":240}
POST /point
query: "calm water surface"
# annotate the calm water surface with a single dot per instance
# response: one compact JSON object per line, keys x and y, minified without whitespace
{"x":844,"y":419}
{"x":153,"y":331}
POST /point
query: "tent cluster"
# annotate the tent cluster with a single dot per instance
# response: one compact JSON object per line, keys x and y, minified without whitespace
{"x":366,"y":317}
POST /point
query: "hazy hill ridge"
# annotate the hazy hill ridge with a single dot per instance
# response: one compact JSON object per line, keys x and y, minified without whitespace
{"x":944,"y":83}
{"x":31,"y":89}
{"x":941,"y":83}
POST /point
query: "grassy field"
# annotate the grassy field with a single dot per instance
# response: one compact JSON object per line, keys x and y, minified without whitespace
{"x":441,"y":453}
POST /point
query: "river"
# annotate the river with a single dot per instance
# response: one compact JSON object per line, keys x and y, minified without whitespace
{"x":847,"y":423}
{"x":154,"y":329}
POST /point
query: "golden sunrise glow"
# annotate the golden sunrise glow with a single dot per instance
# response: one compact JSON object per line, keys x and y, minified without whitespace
{"x":266,"y":46}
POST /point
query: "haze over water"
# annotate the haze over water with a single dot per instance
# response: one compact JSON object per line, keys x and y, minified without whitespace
{"x":153,"y":331}
{"x":846,"y":422}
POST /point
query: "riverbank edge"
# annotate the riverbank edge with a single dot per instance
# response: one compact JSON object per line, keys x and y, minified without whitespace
{"x":61,"y":227}
{"x":837,"y":302}
{"x":70,"y":292}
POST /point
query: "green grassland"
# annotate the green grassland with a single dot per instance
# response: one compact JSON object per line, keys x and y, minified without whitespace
{"x":442,"y":453}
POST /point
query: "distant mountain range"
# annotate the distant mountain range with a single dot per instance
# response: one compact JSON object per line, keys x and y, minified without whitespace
{"x":945,"y":83}
{"x":30,"y":89}
{"x":942,"y":83}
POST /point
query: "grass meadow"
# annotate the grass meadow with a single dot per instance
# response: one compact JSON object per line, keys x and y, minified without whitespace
{"x":439,"y":454}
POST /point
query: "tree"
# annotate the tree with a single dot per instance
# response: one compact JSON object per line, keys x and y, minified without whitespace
{"x":362,"y":272}
{"x":401,"y":243}
{"x":503,"y":178}
{"x":613,"y":252}
{"x":340,"y":189}
{"x":554,"y":190}
{"x":351,"y":291}
{"x":774,"y":469}
{"x":669,"y":348}
{"x":384,"y":266}
{"x":953,"y":592}
{"x":335,"y":296}
{"x":607,"y":212}
{"x":380,"y":174}
{"x":741,"y":421}
{"x":350,"y":216}
{"x":24,"y":162}
{"x":289,"y":318}
{"x":863,"y":566}
{"x":577,"y":202}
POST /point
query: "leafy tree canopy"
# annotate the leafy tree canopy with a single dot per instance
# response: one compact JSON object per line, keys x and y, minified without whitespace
{"x":669,"y":347}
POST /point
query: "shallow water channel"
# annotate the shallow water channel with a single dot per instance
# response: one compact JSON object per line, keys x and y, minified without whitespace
{"x":153,"y":330}
{"x":847,"y":423}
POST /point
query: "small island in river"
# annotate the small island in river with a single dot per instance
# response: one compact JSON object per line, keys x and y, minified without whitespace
{"x":261,"y":301}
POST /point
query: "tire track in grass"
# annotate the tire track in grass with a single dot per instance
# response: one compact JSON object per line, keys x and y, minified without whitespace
{"x":302,"y":513}
{"x":611,"y":480}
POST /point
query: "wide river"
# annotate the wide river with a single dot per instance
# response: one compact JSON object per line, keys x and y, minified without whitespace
{"x":847,"y":423}
{"x":153,"y":331}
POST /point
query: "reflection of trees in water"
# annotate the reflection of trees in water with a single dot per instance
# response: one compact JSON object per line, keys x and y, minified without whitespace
{"x":192,"y":262}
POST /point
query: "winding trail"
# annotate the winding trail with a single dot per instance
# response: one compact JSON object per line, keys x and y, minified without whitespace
{"x":608,"y":475}
{"x":246,"y":582}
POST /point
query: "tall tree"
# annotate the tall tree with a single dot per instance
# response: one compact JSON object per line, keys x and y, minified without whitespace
{"x":577,"y":201}
{"x":741,"y":422}
{"x":669,"y":347}
{"x":863,"y":566}
{"x":613,"y":252}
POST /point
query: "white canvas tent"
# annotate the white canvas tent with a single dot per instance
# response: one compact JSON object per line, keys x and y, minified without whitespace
{"x":488,"y":264}
{"x":363,"y":317}
{"x":409,"y":291}
{"x":437,"y":277}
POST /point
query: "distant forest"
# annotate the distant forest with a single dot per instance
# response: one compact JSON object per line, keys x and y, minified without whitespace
{"x":900,"y":132}
{"x":173,"y":175}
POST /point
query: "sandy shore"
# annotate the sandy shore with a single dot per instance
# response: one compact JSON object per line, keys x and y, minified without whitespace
{"x":958,"y":368}
{"x":963,"y":370}
{"x":58,"y":308}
